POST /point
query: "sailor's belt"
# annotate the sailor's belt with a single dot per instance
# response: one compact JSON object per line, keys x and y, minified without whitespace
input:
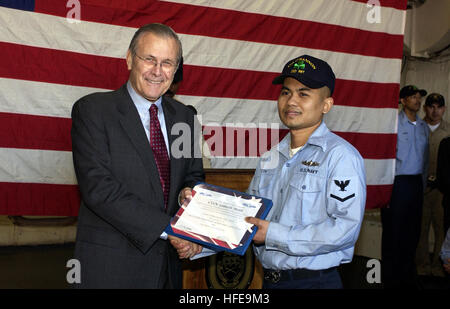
{"x":275,"y":276}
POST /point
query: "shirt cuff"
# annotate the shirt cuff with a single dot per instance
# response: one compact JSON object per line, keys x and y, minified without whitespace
{"x":205,"y":252}
{"x":179,"y":199}
{"x":163,"y":236}
{"x":277,"y":237}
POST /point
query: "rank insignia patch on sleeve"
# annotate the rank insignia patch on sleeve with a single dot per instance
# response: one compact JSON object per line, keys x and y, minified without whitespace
{"x":342,"y":189}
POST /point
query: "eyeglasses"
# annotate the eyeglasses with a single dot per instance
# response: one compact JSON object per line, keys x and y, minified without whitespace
{"x":167,"y":66}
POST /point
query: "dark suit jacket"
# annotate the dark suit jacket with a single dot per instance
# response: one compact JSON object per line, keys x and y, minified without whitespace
{"x":122,"y":212}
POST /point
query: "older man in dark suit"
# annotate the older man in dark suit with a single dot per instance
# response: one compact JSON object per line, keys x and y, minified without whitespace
{"x":130,"y":179}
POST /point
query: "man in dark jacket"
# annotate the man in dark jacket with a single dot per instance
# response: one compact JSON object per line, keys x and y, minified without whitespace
{"x":130,"y":179}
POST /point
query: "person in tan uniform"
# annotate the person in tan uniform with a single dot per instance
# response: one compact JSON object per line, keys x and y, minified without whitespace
{"x":433,"y":212}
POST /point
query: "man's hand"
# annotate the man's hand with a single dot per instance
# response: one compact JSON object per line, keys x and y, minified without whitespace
{"x":263,"y":225}
{"x":185,"y":249}
{"x":185,"y":195}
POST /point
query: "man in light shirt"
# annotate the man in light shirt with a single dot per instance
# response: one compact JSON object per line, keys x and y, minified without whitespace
{"x":316,"y":181}
{"x":401,"y":220}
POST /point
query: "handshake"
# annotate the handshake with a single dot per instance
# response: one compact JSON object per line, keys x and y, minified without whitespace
{"x":185,"y":248}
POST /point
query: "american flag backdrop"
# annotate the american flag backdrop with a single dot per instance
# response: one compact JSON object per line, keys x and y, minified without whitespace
{"x":56,"y":51}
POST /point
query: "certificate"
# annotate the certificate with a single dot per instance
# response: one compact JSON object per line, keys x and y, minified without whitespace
{"x":215,"y":218}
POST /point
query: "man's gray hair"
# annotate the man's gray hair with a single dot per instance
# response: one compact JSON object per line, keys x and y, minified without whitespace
{"x":159,"y":30}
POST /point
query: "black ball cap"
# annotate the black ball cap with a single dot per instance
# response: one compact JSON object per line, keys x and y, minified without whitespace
{"x":410,"y":90}
{"x":310,"y":71}
{"x":435,"y":98}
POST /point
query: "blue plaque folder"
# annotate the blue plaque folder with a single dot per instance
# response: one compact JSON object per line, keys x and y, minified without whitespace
{"x":215,"y":216}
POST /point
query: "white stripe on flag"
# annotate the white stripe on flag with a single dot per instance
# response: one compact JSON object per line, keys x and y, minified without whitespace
{"x":40,"y":99}
{"x":48,"y":31}
{"x":36,"y":166}
{"x":361,"y":119}
{"x":378,"y":172}
{"x":46,"y":99}
{"x":340,"y":118}
{"x":45,"y":166}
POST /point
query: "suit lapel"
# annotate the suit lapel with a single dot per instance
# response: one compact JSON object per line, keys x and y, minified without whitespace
{"x":131,"y":122}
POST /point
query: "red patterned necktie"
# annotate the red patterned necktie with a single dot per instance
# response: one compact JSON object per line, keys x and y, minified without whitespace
{"x":160,"y":152}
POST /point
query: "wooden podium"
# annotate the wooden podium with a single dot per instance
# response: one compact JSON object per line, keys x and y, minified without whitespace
{"x":194,"y":272}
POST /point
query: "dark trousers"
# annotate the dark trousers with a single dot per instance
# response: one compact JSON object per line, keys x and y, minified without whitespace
{"x":320,"y":280}
{"x":401,"y":223}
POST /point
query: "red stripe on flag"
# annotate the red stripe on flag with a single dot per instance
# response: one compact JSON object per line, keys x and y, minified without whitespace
{"x":35,"y":132}
{"x":38,"y":199}
{"x":378,"y":196}
{"x":371,"y":145}
{"x":366,"y":94}
{"x":53,"y":133}
{"x":208,"y":21}
{"x":247,"y":142}
{"x":241,"y":142}
{"x":61,"y":67}
{"x":77,"y":69}
{"x":244,"y":84}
